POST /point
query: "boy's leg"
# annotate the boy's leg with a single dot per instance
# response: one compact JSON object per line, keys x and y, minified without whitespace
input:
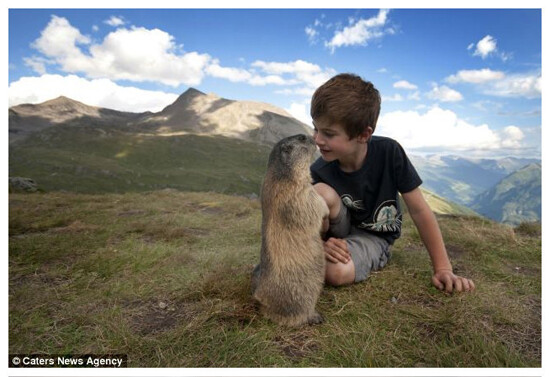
{"x":368,"y":252}
{"x":331,"y":197}
{"x":337,"y":226}
{"x":338,"y":221}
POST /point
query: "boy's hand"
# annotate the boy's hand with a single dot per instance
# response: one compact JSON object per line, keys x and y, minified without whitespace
{"x":446,"y":280}
{"x":336,"y":250}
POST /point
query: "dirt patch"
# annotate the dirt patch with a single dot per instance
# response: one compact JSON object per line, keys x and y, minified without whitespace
{"x":529,"y":271}
{"x":454,"y":251}
{"x":241,"y":315}
{"x":296,"y":345}
{"x":156,"y":316}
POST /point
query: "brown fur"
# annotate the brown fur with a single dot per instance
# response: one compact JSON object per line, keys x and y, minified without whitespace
{"x":290,"y":276}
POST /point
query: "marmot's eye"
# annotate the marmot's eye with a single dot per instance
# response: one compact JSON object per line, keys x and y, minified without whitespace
{"x":302,"y":137}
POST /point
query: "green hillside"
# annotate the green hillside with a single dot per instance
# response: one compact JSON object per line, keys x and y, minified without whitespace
{"x":96,"y":160}
{"x":163,"y":277}
{"x":515,"y":199}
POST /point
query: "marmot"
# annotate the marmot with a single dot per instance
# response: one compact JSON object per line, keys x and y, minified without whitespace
{"x":290,"y":276}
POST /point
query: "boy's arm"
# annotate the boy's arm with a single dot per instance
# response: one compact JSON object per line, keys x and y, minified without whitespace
{"x":426,"y":223}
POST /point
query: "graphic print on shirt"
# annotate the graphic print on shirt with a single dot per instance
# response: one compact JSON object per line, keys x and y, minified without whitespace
{"x":352,"y":204}
{"x":386,"y":218}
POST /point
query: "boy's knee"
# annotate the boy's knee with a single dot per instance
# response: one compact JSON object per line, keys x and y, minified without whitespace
{"x":330,"y":197}
{"x":337,"y":274}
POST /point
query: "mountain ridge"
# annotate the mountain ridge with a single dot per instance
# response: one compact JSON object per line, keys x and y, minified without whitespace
{"x":193,"y":111}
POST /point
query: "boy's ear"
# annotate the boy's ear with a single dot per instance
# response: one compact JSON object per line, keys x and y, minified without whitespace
{"x":365,"y":136}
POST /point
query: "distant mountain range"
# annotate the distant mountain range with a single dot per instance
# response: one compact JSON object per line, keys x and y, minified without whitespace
{"x":515,"y":198}
{"x":204,"y":142}
{"x":478,"y":184}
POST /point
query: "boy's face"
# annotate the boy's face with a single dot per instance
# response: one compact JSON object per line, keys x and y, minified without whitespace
{"x":333,"y":141}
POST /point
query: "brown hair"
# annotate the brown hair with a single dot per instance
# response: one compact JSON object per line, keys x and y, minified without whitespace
{"x":349,"y":100}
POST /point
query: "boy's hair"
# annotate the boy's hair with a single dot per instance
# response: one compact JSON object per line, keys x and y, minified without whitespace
{"x":349,"y":100}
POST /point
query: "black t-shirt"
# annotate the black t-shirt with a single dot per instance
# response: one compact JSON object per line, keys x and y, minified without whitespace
{"x":370,"y":193}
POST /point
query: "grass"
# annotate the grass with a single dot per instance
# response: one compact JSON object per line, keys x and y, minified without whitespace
{"x":163,"y":277}
{"x":78,"y":159}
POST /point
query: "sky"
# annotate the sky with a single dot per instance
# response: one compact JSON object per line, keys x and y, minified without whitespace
{"x":453,"y":81}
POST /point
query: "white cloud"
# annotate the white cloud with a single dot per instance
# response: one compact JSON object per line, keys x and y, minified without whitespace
{"x":404,"y":84}
{"x":115,"y":21}
{"x":300,"y":111}
{"x":231,"y":74}
{"x":136,"y":54}
{"x":361,"y":32}
{"x":395,"y":98}
{"x":486,"y":46}
{"x":37,"y":63}
{"x":473,"y":76}
{"x":311,"y":34}
{"x":512,"y":137}
{"x":528,"y":85}
{"x":497,"y":83}
{"x":59,"y":41}
{"x":301,"y":72}
{"x":444,"y":94}
{"x":442,"y":130}
{"x":139,"y":54}
{"x":98,"y":92}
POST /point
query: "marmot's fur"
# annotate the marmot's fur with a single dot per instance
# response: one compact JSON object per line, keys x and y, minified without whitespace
{"x":290,"y":276}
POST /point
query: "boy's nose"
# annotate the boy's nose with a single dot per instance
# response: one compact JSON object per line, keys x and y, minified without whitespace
{"x":317,"y":138}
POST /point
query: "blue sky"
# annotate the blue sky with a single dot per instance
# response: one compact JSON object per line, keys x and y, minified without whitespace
{"x":452,"y":81}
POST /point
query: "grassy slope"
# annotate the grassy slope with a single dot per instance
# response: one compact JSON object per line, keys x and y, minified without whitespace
{"x":164,"y":277}
{"x":89,"y":161}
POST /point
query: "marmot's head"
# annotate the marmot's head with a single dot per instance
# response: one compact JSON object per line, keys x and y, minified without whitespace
{"x":290,"y":158}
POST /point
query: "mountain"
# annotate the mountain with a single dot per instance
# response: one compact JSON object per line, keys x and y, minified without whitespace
{"x":463,"y":179}
{"x":209,"y":114}
{"x":515,"y":199}
{"x":26,"y":119}
{"x":193,"y":112}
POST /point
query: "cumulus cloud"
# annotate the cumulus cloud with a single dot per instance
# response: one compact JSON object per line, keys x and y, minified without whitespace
{"x":440,"y":130}
{"x":395,"y":98}
{"x":97,"y":92}
{"x":500,"y":84}
{"x":139,"y":54}
{"x":512,"y":137}
{"x":300,"y":111}
{"x":299,"y":72}
{"x":486,"y":47}
{"x":474,"y":76}
{"x":361,"y":31}
{"x":404,"y":84}
{"x":528,"y":85}
{"x":115,"y":21}
{"x":444,"y":94}
{"x":136,"y":54}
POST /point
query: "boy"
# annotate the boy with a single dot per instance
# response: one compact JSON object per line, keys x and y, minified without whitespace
{"x":359,"y":176}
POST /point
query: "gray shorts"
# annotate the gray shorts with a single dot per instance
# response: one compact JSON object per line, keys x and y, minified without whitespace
{"x":368,"y":251}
